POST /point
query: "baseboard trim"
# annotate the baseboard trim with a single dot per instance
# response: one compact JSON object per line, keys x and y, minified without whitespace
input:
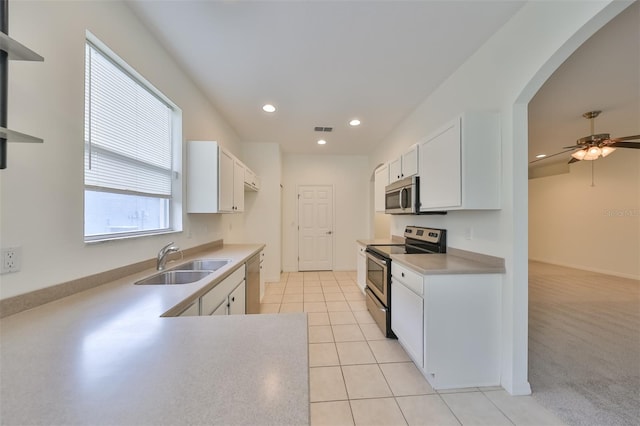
{"x":585,"y":268}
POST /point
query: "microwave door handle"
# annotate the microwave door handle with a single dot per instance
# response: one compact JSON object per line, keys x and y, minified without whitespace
{"x":402,"y":206}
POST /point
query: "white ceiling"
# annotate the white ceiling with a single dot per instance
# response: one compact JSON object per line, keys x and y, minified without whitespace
{"x":321,"y":63}
{"x":603,"y":74}
{"x":325,"y":62}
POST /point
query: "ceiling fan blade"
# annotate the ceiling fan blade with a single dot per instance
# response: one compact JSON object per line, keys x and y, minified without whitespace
{"x":626,"y":138}
{"x":579,"y":146}
{"x":634,"y":145}
{"x":573,"y":160}
{"x":552,"y":155}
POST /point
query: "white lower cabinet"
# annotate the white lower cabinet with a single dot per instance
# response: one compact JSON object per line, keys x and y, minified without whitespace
{"x":361,"y":267}
{"x":211,"y":303}
{"x":192,"y":310}
{"x":450,"y":325}
{"x":407,"y":312}
{"x":237,"y":300}
{"x":223,"y":309}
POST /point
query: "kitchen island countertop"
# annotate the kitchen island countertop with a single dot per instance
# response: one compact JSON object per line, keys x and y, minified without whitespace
{"x":106,"y":356}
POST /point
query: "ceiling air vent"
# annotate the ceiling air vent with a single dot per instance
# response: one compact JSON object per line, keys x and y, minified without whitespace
{"x":323,"y":129}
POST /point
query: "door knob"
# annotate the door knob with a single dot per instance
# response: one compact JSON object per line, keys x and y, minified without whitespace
{"x":329,"y":232}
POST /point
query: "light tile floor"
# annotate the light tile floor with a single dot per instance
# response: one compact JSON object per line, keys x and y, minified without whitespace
{"x":358,"y":377}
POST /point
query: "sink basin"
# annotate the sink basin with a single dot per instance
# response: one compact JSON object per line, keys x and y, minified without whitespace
{"x":174,"y":277}
{"x":202,"y":265}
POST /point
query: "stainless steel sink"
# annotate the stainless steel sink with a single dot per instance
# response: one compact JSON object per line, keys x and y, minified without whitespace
{"x":202,"y":265}
{"x":173,"y":277}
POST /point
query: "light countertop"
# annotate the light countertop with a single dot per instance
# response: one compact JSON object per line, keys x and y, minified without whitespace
{"x":381,"y":241}
{"x":452,"y":263}
{"x":106,"y":356}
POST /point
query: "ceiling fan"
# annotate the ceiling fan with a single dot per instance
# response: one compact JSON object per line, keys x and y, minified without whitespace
{"x":599,"y":145}
{"x":594,"y":146}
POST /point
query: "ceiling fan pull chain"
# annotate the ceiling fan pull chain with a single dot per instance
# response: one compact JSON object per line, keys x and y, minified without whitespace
{"x":592,"y":180}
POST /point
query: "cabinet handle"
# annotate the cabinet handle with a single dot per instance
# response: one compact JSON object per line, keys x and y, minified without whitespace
{"x":233,"y":299}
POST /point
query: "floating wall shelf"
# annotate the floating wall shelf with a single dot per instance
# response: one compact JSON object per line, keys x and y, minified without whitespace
{"x":13,"y":136}
{"x":17,"y":51}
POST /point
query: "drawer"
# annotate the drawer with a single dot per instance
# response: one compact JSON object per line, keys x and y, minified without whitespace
{"x":409,"y":278}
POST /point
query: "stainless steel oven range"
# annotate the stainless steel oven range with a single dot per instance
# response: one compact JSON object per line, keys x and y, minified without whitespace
{"x":378,"y":289}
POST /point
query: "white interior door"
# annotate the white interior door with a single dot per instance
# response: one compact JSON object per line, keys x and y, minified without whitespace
{"x":315,"y":228}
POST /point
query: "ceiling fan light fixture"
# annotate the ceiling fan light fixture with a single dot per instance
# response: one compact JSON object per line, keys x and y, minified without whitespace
{"x":592,"y":153}
{"x":607,"y":150}
{"x":579,"y":155}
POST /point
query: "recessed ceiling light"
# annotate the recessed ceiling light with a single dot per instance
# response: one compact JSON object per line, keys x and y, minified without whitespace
{"x":269,"y":108}
{"x":541,"y":155}
{"x":355,"y":122}
{"x":322,"y":142}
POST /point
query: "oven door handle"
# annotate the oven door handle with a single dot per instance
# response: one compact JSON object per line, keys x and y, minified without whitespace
{"x":376,"y":260}
{"x":379,"y":305}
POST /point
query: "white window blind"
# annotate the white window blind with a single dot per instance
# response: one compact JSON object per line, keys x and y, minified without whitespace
{"x":128,"y":135}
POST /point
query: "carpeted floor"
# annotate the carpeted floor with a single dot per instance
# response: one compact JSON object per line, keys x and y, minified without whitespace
{"x":584,"y":345}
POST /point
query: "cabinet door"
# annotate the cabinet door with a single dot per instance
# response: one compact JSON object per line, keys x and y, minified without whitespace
{"x":238,"y":186}
{"x":202,"y":177}
{"x":440,"y":169}
{"x":395,"y":170}
{"x":223,"y":309}
{"x":237,"y":300}
{"x":381,"y":182}
{"x":192,"y":310}
{"x":410,"y":162}
{"x":407,"y":320}
{"x":262,"y":275}
{"x":362,"y":267}
{"x":226,"y":188}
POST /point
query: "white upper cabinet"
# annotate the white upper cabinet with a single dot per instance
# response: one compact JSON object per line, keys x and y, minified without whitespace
{"x":226,"y":194}
{"x":395,"y":170}
{"x":404,"y":166}
{"x":215,"y":179}
{"x":410,"y":164}
{"x":381,"y":182}
{"x":460,"y":165}
{"x":251,"y":180}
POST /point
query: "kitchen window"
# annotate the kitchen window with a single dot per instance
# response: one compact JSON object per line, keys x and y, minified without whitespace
{"x":132,"y":150}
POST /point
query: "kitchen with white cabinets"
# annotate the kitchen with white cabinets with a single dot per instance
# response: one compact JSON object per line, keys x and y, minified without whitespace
{"x":501,"y":76}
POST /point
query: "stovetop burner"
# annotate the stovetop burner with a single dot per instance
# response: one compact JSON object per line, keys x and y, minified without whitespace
{"x":417,"y":240}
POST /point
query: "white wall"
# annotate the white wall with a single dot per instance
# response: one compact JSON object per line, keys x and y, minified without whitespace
{"x":263,"y":216}
{"x":595,"y":228}
{"x":349,"y":175}
{"x":503,"y":76}
{"x":42,"y":188}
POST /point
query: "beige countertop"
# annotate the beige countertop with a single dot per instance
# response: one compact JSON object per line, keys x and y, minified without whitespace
{"x":106,"y":356}
{"x":382,"y":241}
{"x":453,"y":262}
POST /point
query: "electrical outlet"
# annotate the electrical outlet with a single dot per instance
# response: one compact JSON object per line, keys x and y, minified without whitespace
{"x":11,"y":259}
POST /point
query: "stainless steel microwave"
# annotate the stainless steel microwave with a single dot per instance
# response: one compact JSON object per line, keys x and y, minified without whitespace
{"x":402,"y":196}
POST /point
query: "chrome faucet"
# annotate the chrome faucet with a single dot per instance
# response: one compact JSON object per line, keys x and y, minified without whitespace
{"x":163,"y":253}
